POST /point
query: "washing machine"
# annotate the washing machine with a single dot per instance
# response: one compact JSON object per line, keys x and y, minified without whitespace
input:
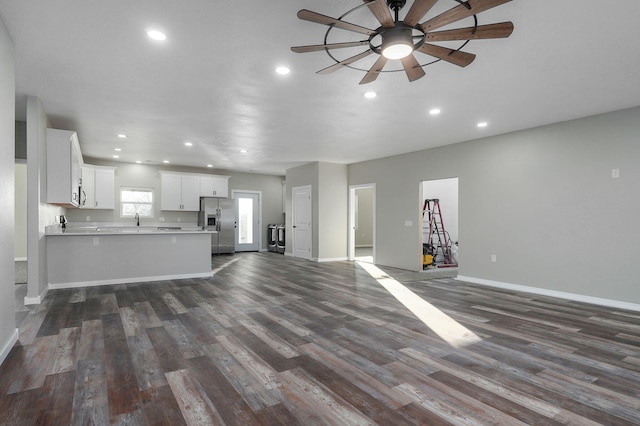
{"x":272,"y":237}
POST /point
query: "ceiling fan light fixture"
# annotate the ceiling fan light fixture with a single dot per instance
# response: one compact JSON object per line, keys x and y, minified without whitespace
{"x":397,"y":43}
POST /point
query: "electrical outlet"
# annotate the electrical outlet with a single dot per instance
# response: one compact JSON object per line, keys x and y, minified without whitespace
{"x":493,"y":258}
{"x":173,"y":239}
{"x":96,"y":241}
{"x":179,"y":219}
{"x":408,"y":223}
{"x":161,"y":218}
{"x":88,"y":218}
{"x":615,"y":173}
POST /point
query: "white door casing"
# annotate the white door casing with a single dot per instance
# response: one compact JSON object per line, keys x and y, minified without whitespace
{"x":301,"y":222}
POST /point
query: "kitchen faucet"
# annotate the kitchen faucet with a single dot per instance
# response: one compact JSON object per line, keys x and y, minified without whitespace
{"x":137,"y":219}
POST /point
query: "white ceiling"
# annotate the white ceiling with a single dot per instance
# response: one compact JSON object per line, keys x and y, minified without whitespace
{"x":212,"y":82}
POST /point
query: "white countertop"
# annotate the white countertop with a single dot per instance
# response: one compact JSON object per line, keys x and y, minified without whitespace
{"x":56,"y":230}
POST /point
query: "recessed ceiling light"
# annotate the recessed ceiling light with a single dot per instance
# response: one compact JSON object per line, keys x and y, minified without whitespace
{"x":118,"y":149}
{"x":434,"y":111}
{"x":370,"y":95}
{"x":122,"y":136}
{"x":138,"y":162}
{"x":209,"y":165}
{"x":483,"y":124}
{"x":156,"y":35}
{"x":283,"y":70}
{"x":243,"y":151}
{"x":188,"y":144}
{"x":165,"y":161}
{"x":116,"y":156}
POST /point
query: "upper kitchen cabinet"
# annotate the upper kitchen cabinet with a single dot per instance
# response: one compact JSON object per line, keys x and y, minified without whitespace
{"x":98,"y":187}
{"x":64,"y":161}
{"x":214,"y":186}
{"x":179,"y":192}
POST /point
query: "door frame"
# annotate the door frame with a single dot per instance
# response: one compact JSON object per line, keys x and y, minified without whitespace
{"x":351,"y":252}
{"x":259,"y":228}
{"x":293,"y":218}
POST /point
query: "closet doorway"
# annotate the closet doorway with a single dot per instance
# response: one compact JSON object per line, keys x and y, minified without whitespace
{"x":362,"y":223}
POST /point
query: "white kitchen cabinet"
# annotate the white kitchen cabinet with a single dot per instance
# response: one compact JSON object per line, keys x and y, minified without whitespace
{"x":179,"y":192}
{"x":214,"y":186}
{"x":98,"y":187}
{"x":64,"y":161}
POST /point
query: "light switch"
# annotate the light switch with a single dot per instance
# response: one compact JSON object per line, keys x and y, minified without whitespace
{"x":615,"y":173}
{"x":96,"y":241}
{"x":408,"y":223}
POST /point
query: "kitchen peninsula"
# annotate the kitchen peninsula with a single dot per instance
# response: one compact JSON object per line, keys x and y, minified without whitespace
{"x":89,"y":256}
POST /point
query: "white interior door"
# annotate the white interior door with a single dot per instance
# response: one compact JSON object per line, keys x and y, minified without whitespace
{"x":248,"y":214}
{"x":301,"y":212}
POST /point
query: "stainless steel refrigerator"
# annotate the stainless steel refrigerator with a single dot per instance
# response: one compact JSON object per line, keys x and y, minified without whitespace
{"x":218,"y":215}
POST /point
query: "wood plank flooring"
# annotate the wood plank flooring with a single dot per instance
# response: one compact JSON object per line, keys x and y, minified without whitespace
{"x":271,"y":340}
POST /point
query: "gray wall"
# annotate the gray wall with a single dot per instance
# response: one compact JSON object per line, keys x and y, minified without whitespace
{"x":148,"y":176}
{"x":20,"y":229}
{"x":39,"y":213}
{"x":8,"y":332}
{"x":333,"y":194}
{"x":307,"y":174}
{"x":329,"y":194}
{"x":542,"y":200}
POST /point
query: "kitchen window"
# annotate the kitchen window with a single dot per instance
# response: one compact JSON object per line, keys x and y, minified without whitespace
{"x":136,"y":200}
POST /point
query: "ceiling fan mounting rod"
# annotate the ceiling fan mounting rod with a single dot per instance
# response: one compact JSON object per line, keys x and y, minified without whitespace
{"x":396,"y":5}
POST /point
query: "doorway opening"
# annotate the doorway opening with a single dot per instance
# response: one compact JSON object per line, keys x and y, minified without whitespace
{"x":248,"y":218}
{"x":439,"y":231}
{"x":362,"y":229}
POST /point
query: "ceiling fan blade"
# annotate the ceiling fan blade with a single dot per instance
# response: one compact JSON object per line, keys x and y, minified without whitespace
{"x":318,"y":18}
{"x":456,"y":57}
{"x":319,"y":47}
{"x":419,"y":8}
{"x":381,"y":11}
{"x":375,"y":70}
{"x":347,"y":61}
{"x":460,"y":12}
{"x":500,"y":30}
{"x":412,"y":67}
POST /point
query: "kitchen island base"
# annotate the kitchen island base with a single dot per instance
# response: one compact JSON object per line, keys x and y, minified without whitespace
{"x":81,"y":260}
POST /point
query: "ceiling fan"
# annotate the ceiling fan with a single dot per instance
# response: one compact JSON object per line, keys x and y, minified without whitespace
{"x":396,"y":39}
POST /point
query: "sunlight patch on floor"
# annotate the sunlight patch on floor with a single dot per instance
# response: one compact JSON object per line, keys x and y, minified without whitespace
{"x":442,"y":324}
{"x":224,"y":265}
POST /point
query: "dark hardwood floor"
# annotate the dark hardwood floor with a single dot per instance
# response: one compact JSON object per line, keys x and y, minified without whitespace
{"x":280,"y":341}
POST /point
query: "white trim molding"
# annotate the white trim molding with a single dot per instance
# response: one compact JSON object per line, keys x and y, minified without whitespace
{"x":553,"y":293}
{"x":128,"y":280}
{"x":35,"y":300}
{"x":9,"y":345}
{"x":331,"y":259}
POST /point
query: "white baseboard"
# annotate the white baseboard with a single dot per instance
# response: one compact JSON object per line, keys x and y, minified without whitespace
{"x":553,"y":293}
{"x":9,"y":345}
{"x":129,"y":280}
{"x":19,"y":259}
{"x":331,"y":259}
{"x":35,"y":300}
